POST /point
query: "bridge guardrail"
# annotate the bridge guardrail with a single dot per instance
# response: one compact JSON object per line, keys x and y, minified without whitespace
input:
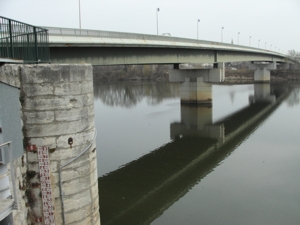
{"x":21,"y":41}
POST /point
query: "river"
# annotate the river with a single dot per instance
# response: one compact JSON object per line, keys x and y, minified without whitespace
{"x":160,"y":162}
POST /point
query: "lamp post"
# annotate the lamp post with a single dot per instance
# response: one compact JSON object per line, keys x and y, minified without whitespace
{"x":258,"y":43}
{"x":238,"y":39}
{"x":270,"y":47}
{"x":265,"y":45}
{"x":250,"y":41}
{"x":222,"y":34}
{"x":79,"y":16}
{"x":198,"y":28}
{"x":157,"y":20}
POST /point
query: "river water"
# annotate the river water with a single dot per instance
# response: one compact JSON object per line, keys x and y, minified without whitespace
{"x":160,"y":162}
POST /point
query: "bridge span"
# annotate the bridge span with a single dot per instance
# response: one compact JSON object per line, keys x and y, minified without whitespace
{"x":117,"y":48}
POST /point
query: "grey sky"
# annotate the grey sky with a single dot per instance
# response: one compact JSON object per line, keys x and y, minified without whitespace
{"x":273,"y":21}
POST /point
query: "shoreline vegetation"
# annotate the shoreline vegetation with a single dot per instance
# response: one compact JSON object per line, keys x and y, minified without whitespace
{"x":160,"y":73}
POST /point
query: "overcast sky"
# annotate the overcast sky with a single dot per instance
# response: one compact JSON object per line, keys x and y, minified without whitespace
{"x":275,"y":22}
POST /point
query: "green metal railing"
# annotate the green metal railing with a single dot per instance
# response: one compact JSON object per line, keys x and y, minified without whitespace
{"x":20,"y":41}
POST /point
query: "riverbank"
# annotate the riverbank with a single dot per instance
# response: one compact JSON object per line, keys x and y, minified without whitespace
{"x":160,"y":73}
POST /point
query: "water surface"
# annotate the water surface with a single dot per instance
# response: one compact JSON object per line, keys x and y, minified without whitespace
{"x":160,"y":162}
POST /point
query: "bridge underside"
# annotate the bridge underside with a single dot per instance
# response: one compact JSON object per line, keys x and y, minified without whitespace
{"x":144,"y":55}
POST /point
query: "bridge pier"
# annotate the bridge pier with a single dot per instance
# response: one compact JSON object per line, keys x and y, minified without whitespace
{"x":59,"y":179}
{"x":196,"y":84}
{"x":262,"y":71}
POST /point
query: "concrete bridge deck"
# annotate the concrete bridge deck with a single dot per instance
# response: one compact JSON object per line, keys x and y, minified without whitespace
{"x":118,"y":48}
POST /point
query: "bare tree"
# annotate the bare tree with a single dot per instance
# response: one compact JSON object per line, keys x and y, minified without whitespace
{"x":294,"y":55}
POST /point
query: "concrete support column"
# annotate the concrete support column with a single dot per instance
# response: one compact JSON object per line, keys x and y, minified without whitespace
{"x":262,"y":71}
{"x":58,"y":112}
{"x":196,"y":87}
{"x":217,"y":74}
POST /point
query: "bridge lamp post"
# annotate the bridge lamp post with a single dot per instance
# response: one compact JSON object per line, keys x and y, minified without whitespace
{"x":250,"y":41}
{"x":271,"y":47}
{"x":198,"y":21}
{"x":265,"y":45}
{"x":157,"y":10}
{"x":258,"y":43}
{"x":238,"y":39}
{"x":222,"y":34}
{"x":79,"y":16}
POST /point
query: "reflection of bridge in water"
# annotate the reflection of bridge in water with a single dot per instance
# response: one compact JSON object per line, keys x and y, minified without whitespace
{"x":141,"y":190}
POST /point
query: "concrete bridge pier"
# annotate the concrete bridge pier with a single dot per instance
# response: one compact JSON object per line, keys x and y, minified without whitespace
{"x":262,"y":71}
{"x":59,"y":183}
{"x":196,"y":84}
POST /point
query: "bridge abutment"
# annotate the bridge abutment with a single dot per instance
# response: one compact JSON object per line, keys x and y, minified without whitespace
{"x":58,"y":116}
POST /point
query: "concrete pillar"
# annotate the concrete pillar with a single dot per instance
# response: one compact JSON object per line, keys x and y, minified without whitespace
{"x":58,"y":112}
{"x":217,"y":74}
{"x":262,"y":71}
{"x":214,"y":75}
{"x":195,"y":83}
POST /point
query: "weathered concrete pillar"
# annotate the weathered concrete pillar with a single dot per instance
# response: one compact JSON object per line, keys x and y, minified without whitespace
{"x":217,"y":74}
{"x":262,"y":71}
{"x":58,"y":112}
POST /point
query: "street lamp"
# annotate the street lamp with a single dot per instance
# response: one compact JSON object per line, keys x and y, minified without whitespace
{"x":271,"y":47}
{"x":79,"y":16}
{"x":238,"y":40}
{"x":250,"y":41}
{"x":197,"y":27}
{"x":265,"y":45}
{"x":157,"y":20}
{"x":222,"y":34}
{"x":258,"y":43}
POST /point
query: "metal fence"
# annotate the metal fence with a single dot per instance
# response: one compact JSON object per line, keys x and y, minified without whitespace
{"x":24,"y":42}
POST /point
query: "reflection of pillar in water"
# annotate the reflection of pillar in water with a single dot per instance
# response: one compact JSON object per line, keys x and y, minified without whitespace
{"x":262,"y":93}
{"x":194,"y":90}
{"x":196,"y":121}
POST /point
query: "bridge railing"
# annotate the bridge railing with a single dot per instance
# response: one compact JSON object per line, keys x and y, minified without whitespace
{"x":24,"y":42}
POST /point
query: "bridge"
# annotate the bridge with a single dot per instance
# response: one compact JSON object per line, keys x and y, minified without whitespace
{"x":57,"y":105}
{"x":118,"y":48}
{"x":96,"y":47}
